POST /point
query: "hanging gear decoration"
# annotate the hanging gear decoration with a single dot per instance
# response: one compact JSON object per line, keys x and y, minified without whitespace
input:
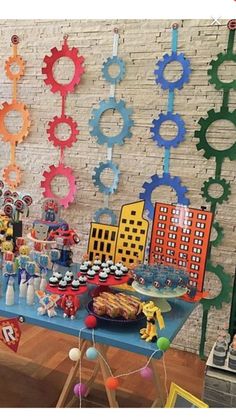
{"x":220,"y":234}
{"x":64,"y":52}
{"x":203,"y":144}
{"x":161,"y":66}
{"x":12,"y":174}
{"x":51,"y":131}
{"x":168,"y":117}
{"x":107,"y":212}
{"x":64,"y":90}
{"x":111,"y":104}
{"x":164,"y":180}
{"x":214,"y":70}
{"x":107,"y":190}
{"x":226,"y":288}
{"x":111,"y":61}
{"x":220,"y":199}
{"x":63,"y":171}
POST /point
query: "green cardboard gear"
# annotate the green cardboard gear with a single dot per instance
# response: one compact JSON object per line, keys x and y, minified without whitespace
{"x":213,"y":71}
{"x":213,"y":116}
{"x":220,"y":234}
{"x":216,"y":200}
{"x":226,"y":288}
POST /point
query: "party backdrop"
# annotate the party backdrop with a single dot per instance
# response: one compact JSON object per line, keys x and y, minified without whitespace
{"x":141,"y":44}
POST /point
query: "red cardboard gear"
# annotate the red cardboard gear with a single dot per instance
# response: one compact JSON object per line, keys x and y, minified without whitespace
{"x":72,"y":54}
{"x":64,"y":171}
{"x":52,"y":128}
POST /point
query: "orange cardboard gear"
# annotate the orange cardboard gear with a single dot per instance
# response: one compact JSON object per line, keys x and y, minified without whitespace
{"x":17,"y":60}
{"x":23,"y":132}
{"x":12,"y":168}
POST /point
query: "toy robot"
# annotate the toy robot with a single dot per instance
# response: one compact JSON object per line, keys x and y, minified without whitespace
{"x":51,"y":210}
{"x":153,"y":314}
{"x":48,"y":303}
{"x":70,"y":305}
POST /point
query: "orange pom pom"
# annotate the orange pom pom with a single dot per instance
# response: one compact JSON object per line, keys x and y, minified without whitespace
{"x":112,"y":383}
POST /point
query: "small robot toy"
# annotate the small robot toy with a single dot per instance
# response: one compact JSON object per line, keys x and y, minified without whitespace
{"x":153,"y":314}
{"x":47,"y":303}
{"x":70,"y":305}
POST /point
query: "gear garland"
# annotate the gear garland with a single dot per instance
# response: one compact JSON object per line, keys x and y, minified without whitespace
{"x":64,"y":90}
{"x":210,"y":152}
{"x":12,"y":173}
{"x":110,"y":140}
{"x":169,"y":116}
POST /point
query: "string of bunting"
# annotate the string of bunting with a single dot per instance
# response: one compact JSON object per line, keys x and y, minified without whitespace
{"x":171,"y":117}
{"x":96,"y":131}
{"x":64,"y":90}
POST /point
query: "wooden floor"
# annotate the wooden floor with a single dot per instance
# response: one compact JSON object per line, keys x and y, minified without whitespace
{"x":35,"y":375}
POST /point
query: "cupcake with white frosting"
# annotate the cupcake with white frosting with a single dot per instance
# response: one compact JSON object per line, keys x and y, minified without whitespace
{"x":96,"y":268}
{"x":91,"y":273}
{"x":124,"y":270}
{"x":75,"y":285}
{"x":118,"y":274}
{"x":83,"y":280}
{"x":62,"y":285}
{"x":69,"y":276}
{"x":103,"y":276}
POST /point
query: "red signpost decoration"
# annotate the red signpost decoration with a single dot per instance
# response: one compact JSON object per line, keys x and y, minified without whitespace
{"x":10,"y":333}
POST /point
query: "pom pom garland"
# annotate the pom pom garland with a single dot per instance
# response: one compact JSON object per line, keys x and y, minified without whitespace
{"x":112,"y":383}
{"x":146,"y":373}
{"x":163,"y":344}
{"x":80,"y":390}
{"x":90,"y":321}
{"x":91,"y":353}
{"x":74,"y":354}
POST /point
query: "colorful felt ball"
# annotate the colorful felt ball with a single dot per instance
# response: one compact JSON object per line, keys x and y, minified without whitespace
{"x":146,"y":373}
{"x":91,"y":353}
{"x":90,"y":321}
{"x":74,"y":354}
{"x":80,"y":389}
{"x":163,"y":344}
{"x":112,"y":383}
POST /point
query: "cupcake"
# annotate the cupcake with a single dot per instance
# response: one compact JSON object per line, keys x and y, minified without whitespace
{"x":58,"y":275}
{"x":96,"y":268}
{"x":87,"y":263}
{"x":97,"y":262}
{"x":83,"y":268}
{"x":124,"y":270}
{"x":69,"y":277}
{"x":53,"y":281}
{"x":75,"y":284}
{"x":113,"y":268}
{"x":62,"y":285}
{"x":103,"y":276}
{"x":119,"y":265}
{"x":118,"y":274}
{"x":107,"y":270}
{"x":82,"y":279}
{"x":91,"y":273}
{"x":104,"y":265}
{"x":109,"y":262}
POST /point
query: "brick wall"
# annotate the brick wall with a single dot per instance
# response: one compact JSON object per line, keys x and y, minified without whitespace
{"x":141,"y":44}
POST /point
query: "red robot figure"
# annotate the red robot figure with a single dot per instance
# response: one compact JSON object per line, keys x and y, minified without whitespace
{"x":70,"y":305}
{"x":51,"y":210}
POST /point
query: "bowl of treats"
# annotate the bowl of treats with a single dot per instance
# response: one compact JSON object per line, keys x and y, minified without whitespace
{"x":116,"y":307}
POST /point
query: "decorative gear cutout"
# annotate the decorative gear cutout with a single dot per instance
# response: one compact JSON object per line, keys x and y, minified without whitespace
{"x":161,"y":65}
{"x":201,"y":134}
{"x":52,"y":128}
{"x":7,"y":175}
{"x":162,"y":142}
{"x":225,"y":194}
{"x":105,"y":70}
{"x":19,"y":62}
{"x":220,"y":234}
{"x":225,"y":294}
{"x":213,"y":71}
{"x":105,"y":105}
{"x":19,"y":136}
{"x":107,"y":190}
{"x":105,"y":211}
{"x":63,"y":171}
{"x":156,"y":181}
{"x":72,"y":54}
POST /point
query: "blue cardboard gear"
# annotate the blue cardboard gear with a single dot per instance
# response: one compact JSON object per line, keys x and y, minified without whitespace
{"x":155,"y":130}
{"x":105,"y":211}
{"x":125,"y":113}
{"x":166,"y":179}
{"x":105,"y":70}
{"x":107,"y":190}
{"x":161,"y":65}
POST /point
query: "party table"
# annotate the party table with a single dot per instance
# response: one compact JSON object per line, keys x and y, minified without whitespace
{"x":107,"y":334}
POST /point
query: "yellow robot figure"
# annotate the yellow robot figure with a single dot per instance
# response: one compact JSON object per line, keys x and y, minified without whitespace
{"x":153,"y":314}
{"x":24,"y":250}
{"x":7,"y":246}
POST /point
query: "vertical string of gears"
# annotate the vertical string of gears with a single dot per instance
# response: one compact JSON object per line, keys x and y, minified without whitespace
{"x":64,"y":90}
{"x":15,"y":69}
{"x":219,"y":155}
{"x":169,"y":116}
{"x":96,"y":131}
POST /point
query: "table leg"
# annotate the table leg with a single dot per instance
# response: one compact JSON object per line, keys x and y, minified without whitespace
{"x":111,"y":395}
{"x":67,"y":386}
{"x":160,"y":400}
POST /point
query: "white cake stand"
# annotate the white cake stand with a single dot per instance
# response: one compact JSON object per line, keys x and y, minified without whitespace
{"x":160,"y":297}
